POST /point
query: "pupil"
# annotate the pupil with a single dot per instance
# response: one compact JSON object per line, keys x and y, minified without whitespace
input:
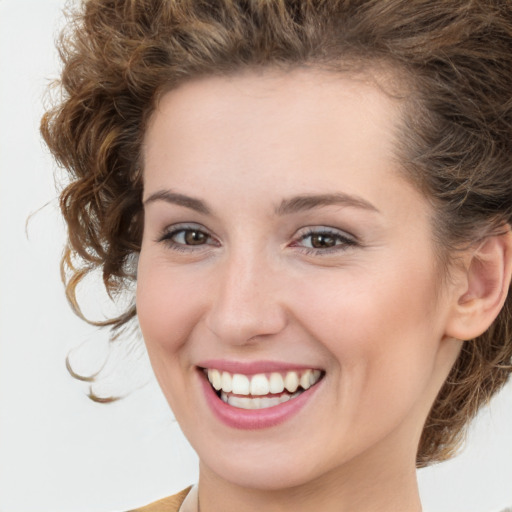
{"x":195,"y":237}
{"x":319,"y":241}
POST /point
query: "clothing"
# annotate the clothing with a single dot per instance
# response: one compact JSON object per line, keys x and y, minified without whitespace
{"x":169,"y":504}
{"x":173,"y":503}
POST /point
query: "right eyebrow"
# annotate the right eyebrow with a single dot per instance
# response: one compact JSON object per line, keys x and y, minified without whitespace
{"x":179,"y":199}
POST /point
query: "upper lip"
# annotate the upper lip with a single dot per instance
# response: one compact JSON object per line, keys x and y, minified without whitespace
{"x":253,"y":367}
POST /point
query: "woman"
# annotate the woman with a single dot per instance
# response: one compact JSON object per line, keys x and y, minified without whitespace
{"x":318,"y":197}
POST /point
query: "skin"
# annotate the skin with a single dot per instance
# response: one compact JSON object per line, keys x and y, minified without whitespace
{"x":372,"y":312}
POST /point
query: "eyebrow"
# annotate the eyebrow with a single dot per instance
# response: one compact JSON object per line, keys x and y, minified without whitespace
{"x":288,"y":206}
{"x":179,"y":199}
{"x":309,"y":202}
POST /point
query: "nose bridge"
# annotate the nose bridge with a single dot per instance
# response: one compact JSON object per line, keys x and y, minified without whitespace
{"x":246,"y":305}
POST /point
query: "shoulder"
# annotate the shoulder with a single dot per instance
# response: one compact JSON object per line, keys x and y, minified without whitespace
{"x":169,"y":504}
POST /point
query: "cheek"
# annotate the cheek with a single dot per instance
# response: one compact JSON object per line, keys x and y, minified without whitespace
{"x":167,"y":312}
{"x":382,"y":328}
{"x":165,"y":306}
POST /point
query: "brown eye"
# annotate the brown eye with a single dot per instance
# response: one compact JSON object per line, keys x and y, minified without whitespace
{"x":193,"y":237}
{"x":322,"y":241}
{"x":185,"y":237}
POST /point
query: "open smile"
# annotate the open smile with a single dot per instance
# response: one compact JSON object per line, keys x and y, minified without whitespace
{"x":261,"y":390}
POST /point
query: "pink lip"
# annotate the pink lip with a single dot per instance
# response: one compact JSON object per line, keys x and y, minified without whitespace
{"x":253,"y":419}
{"x":253,"y":367}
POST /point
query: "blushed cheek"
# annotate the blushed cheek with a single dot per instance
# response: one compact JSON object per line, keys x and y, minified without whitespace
{"x":374,"y":322}
{"x":162,"y":310}
{"x":399,"y":345}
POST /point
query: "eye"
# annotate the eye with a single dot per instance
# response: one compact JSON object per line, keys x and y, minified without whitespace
{"x":186,"y":237}
{"x":324,"y":240}
{"x":189,"y":237}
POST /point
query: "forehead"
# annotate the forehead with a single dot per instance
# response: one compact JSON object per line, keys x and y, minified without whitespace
{"x":252,"y":119}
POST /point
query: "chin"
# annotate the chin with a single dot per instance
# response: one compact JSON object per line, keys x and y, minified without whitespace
{"x":270,"y":475}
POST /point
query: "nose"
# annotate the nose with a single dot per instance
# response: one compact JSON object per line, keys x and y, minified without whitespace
{"x":246,"y":304}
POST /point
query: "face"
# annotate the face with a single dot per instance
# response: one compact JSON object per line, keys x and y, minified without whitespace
{"x":288,"y":291}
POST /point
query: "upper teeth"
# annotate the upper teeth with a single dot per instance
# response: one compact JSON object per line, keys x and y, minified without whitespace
{"x":262,"y":384}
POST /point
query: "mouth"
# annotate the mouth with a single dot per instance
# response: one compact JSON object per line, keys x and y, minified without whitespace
{"x":261,"y":390}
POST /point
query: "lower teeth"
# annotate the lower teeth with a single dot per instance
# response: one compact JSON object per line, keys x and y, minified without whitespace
{"x":257,"y":402}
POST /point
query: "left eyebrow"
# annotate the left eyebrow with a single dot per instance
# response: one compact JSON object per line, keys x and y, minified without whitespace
{"x":308,"y":202}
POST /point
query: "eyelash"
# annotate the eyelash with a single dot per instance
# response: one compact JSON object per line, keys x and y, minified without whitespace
{"x":345,"y":240}
{"x":167,"y":237}
{"x":342,"y":241}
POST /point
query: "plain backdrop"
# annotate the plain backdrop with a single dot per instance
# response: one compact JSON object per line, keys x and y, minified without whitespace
{"x":59,"y":451}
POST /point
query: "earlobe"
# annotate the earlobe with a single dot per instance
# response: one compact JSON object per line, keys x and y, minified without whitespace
{"x":484,"y":286}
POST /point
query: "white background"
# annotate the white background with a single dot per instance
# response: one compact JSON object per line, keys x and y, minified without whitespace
{"x":58,"y":450}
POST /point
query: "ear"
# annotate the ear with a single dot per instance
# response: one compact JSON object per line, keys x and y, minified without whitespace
{"x":482,"y":287}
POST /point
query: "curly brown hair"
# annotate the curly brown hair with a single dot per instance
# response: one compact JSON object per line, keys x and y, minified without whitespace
{"x":455,"y":55}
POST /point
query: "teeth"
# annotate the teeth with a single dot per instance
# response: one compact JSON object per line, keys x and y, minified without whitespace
{"x":304,"y":379}
{"x":240,"y":384}
{"x":215,"y":379}
{"x":242,"y":402}
{"x":291,"y":382}
{"x":227,"y":384}
{"x":276,"y":383}
{"x":261,"y":384}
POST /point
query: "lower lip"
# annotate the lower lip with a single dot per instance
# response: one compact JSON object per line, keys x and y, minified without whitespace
{"x":254,"y":419}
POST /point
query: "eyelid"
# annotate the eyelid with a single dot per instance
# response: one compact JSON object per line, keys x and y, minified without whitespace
{"x":313,"y":230}
{"x":169,"y":231}
{"x":347,"y":239}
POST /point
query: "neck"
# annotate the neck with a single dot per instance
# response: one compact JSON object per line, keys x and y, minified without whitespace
{"x":356,"y":487}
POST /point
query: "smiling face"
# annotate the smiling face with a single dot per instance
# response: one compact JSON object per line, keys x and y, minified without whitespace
{"x":285,"y":257}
